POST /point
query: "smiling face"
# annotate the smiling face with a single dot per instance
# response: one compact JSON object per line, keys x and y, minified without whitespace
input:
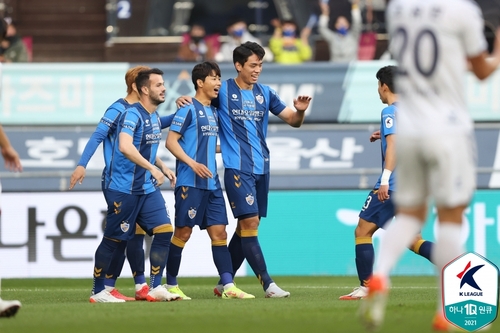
{"x":248,"y":74}
{"x":156,"y":89}
{"x":210,"y":86}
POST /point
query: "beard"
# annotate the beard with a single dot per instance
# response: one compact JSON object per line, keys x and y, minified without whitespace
{"x":156,"y":99}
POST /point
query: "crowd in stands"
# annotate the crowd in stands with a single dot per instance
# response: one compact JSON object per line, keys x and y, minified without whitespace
{"x":348,"y":27}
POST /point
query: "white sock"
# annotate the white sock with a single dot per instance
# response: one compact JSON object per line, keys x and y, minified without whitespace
{"x":229,"y":285}
{"x":448,"y":246}
{"x":109,"y":288}
{"x":398,"y":237}
{"x":139,"y":286}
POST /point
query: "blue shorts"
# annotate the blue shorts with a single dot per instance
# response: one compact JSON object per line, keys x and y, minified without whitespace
{"x":247,"y":193}
{"x":378,"y":212}
{"x":204,"y":208}
{"x":148,"y":210}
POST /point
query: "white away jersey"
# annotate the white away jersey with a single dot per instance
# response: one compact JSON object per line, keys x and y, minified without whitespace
{"x":431,"y":40}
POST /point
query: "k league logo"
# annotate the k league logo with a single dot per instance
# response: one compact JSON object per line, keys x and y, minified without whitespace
{"x":470,"y":292}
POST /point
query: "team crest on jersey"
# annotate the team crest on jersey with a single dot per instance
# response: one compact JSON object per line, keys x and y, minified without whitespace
{"x":249,"y":199}
{"x":125,"y":226}
{"x":389,"y":122}
{"x":259,"y":98}
{"x":192,"y":213}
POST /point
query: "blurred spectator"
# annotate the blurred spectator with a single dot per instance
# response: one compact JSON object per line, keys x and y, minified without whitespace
{"x":374,"y":11}
{"x":197,"y":46}
{"x":237,"y":34}
{"x":343,"y":41}
{"x":286,"y":47}
{"x":12,"y":48}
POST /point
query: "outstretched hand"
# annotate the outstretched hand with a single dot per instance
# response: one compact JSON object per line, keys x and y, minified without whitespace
{"x":301,"y":103}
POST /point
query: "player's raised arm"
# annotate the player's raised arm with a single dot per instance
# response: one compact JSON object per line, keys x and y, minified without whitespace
{"x":296,"y":118}
{"x":483,"y":64}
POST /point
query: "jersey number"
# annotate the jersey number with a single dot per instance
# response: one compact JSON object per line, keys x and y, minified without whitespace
{"x":401,"y":38}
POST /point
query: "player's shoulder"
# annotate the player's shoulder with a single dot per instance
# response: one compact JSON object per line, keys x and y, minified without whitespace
{"x":119,"y":105}
{"x":389,"y":110}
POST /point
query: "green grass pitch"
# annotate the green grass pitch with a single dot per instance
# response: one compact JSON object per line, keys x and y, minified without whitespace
{"x":61,"y":305}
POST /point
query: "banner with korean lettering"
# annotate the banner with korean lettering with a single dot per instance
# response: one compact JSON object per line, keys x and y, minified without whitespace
{"x":56,"y":234}
{"x":311,"y":157}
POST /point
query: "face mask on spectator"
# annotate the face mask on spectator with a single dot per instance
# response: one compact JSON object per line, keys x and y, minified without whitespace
{"x":288,"y":33}
{"x":196,"y":39}
{"x":342,"y":30}
{"x":238,"y":33}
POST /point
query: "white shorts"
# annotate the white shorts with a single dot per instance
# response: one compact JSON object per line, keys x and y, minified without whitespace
{"x":439,"y":167}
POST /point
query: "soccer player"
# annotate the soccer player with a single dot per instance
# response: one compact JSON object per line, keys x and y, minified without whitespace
{"x":431,"y":41}
{"x":132,"y":189}
{"x":192,"y":139}
{"x":105,"y":132}
{"x":243,"y":109}
{"x":379,"y":207}
{"x":12,"y":163}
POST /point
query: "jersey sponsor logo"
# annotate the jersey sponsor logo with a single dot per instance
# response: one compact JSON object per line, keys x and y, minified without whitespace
{"x":250,"y":199}
{"x":192,"y":213}
{"x":209,"y":129}
{"x":124,"y":226}
{"x":389,"y":122}
{"x":247,"y":114}
{"x":259,"y":98}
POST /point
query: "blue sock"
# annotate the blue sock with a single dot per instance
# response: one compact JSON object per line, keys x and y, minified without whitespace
{"x":102,"y":260}
{"x":158,"y":257}
{"x":255,"y":257}
{"x":222,"y":260}
{"x":116,"y":265}
{"x":135,"y":256}
{"x":365,"y":256}
{"x":236,"y":251}
{"x":174,"y":260}
{"x":424,"y":248}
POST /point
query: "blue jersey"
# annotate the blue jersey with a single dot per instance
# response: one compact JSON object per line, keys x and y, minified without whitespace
{"x":105,"y":132}
{"x":199,"y":127}
{"x":126,"y":176}
{"x":243,"y":119}
{"x":387,"y":127}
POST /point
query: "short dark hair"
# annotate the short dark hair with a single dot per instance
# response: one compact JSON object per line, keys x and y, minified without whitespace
{"x":3,"y":29}
{"x":245,"y":50}
{"x":142,"y":79}
{"x":386,"y":76}
{"x":202,"y":70}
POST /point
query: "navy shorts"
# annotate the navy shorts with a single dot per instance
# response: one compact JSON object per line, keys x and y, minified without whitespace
{"x":148,"y":210}
{"x":378,"y":212}
{"x":204,"y":208}
{"x":247,"y":193}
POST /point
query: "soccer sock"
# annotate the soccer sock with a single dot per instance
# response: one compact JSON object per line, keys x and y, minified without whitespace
{"x":365,"y":255}
{"x":236,"y":251}
{"x":174,"y":260}
{"x":397,"y":239}
{"x":159,"y":254}
{"x":103,"y":256}
{"x":447,"y":248}
{"x":423,"y":248}
{"x":222,"y":260}
{"x":255,"y":257}
{"x":115,"y":267}
{"x":135,"y":256}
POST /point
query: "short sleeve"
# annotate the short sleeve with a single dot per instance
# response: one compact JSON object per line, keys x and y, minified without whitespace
{"x":182,"y":120}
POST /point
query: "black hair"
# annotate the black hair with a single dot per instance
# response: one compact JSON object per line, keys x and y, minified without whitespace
{"x":142,"y":79}
{"x":3,"y":29}
{"x":245,"y":50}
{"x":386,"y":76}
{"x":202,"y":70}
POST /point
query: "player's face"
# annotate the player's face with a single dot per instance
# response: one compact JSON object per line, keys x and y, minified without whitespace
{"x":249,"y":73}
{"x":211,"y":85}
{"x":156,"y":89}
{"x":382,"y":88}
